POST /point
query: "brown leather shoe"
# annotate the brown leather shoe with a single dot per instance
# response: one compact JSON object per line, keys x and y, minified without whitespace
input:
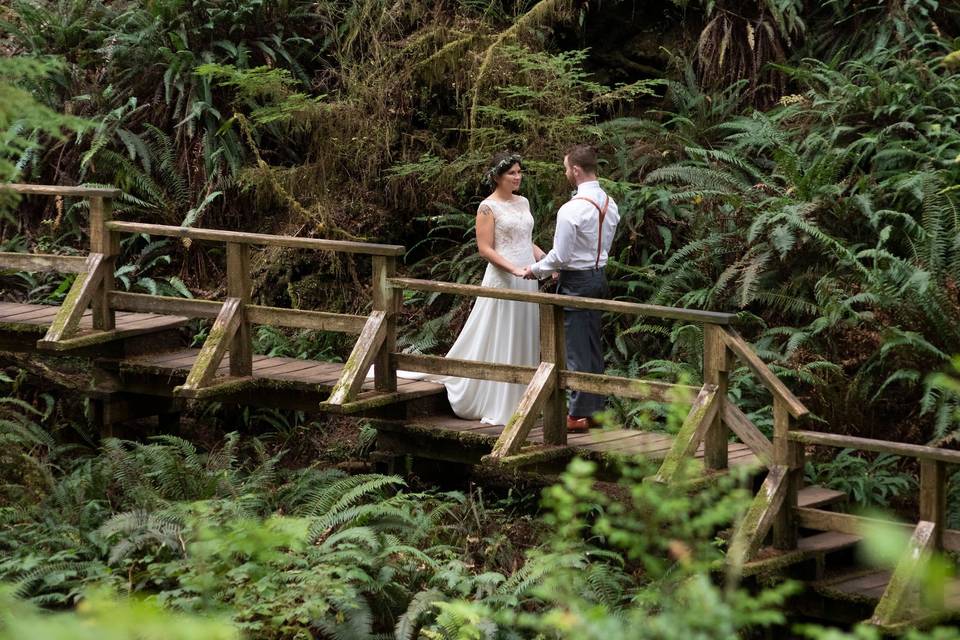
{"x":577,"y":425}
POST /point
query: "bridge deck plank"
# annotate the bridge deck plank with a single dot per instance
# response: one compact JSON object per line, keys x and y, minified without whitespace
{"x":295,"y":370}
{"x":598,"y":441}
{"x":41,"y":316}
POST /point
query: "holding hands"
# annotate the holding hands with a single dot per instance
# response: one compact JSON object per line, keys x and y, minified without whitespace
{"x":527,"y":274}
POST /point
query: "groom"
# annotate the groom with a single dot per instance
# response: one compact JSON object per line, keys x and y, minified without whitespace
{"x":581,"y":243}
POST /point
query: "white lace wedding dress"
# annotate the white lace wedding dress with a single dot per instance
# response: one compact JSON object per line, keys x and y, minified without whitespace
{"x":502,"y":331}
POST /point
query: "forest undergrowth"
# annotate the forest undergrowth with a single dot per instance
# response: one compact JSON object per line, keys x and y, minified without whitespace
{"x":807,"y":183}
{"x":795,"y":163}
{"x":202,"y":536}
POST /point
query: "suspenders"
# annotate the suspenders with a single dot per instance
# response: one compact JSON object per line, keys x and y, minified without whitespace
{"x":603,"y":213}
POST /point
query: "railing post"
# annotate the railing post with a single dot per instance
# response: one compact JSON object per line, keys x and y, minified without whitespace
{"x":105,"y":242}
{"x":239,"y":286}
{"x":716,"y":364}
{"x":933,"y":498}
{"x":553,"y":350}
{"x":788,"y":454}
{"x":386,"y":299}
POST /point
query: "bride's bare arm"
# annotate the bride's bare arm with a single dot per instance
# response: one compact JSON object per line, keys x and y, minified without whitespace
{"x":538,"y":253}
{"x":485,"y":227}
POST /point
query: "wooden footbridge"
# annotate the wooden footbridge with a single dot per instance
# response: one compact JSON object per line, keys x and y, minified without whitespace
{"x":140,"y":368}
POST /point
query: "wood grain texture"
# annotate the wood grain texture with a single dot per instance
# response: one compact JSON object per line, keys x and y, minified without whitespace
{"x":221,"y":235}
{"x":214,"y":347}
{"x":690,"y":434}
{"x":543,"y":383}
{"x":439,"y":365}
{"x":742,"y":349}
{"x":386,"y":299}
{"x":614,"y":306}
{"x":748,"y":432}
{"x":920,"y":452}
{"x":67,"y":320}
{"x":240,"y":287}
{"x":362,"y":356}
{"x":59,"y":190}
{"x":756,"y":522}
{"x":716,"y":364}
{"x":553,"y":349}
{"x":42,"y":262}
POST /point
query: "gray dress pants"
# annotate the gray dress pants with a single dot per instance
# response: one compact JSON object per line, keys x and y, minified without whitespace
{"x":582,"y":333}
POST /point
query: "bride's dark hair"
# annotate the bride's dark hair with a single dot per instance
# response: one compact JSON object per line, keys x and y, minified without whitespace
{"x":500,"y":163}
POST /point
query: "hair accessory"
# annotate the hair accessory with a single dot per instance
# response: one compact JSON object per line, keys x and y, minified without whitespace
{"x":498,"y":169}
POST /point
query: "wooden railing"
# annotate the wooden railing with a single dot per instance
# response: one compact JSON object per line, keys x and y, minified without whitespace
{"x":94,"y":287}
{"x":233,"y":317}
{"x":776,"y":504}
{"x":711,"y":419}
{"x":91,"y":286}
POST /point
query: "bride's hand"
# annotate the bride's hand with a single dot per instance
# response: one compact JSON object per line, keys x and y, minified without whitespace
{"x":518,"y":272}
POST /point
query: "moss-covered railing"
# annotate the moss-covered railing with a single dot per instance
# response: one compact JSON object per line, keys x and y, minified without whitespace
{"x":234,"y":316}
{"x":94,"y":287}
{"x":91,"y":286}
{"x":711,"y":418}
{"x":776,"y":504}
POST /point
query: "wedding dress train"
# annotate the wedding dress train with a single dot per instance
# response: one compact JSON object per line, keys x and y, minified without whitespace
{"x":501,"y":331}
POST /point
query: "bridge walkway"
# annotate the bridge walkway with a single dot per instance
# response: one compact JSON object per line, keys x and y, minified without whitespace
{"x":141,"y":367}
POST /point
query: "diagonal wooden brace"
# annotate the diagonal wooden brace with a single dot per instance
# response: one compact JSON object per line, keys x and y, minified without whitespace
{"x":691,"y":433}
{"x":214,"y":347}
{"x":748,"y":432}
{"x":78,"y":299}
{"x":362,"y":356}
{"x":758,"y":519}
{"x":544,"y":382}
{"x":903,"y":590}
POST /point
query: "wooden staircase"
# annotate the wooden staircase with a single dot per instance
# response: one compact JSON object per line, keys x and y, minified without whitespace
{"x":839,"y":586}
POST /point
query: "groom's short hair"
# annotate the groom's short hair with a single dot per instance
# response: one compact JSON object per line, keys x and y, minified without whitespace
{"x":583,"y":156}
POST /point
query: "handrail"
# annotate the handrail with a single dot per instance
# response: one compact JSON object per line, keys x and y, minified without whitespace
{"x":615,"y":306}
{"x":377,"y":341}
{"x":748,"y":356}
{"x":57,"y":190}
{"x":242,"y":237}
{"x":42,"y":262}
{"x":920,"y":452}
{"x":256,"y":314}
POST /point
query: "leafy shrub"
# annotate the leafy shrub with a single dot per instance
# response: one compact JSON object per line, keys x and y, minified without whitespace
{"x":868,"y":483}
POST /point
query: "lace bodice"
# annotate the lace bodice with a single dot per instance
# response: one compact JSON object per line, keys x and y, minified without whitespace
{"x":513,"y":229}
{"x":512,"y":239}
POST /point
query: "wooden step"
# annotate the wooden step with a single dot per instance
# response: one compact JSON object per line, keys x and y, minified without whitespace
{"x":816,"y":496}
{"x":855,"y":584}
{"x":809,"y":547}
{"x":827,"y":541}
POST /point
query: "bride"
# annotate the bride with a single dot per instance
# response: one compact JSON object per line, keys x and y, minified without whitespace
{"x":501,"y":331}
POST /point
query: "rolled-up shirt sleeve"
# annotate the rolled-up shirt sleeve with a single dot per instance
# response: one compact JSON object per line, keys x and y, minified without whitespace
{"x":563,"y":239}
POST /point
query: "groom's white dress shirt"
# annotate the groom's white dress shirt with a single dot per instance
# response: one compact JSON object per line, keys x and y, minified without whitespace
{"x":575,"y":240}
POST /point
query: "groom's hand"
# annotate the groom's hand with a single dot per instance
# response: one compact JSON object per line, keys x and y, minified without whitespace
{"x":528,"y":274}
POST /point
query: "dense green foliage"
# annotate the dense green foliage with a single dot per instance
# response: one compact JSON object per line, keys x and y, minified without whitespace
{"x":804,"y":181}
{"x":162,"y":539}
{"x":794,"y":162}
{"x":311,"y":552}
